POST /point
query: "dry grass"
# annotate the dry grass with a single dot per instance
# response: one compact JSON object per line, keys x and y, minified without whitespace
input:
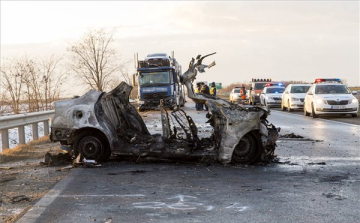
{"x":33,"y":150}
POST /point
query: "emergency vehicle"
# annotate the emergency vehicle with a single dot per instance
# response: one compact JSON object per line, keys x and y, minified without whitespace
{"x":329,"y":96}
{"x":256,"y":88}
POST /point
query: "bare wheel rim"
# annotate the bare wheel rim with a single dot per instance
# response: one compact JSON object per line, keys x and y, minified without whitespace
{"x":91,"y":147}
{"x":245,"y":150}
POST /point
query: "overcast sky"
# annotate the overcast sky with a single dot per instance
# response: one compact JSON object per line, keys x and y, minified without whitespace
{"x":282,"y":40}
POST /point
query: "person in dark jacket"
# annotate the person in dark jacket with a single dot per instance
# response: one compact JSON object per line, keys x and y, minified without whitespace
{"x":205,"y":90}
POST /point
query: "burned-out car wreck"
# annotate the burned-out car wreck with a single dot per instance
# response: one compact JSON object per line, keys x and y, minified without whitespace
{"x":97,"y":125}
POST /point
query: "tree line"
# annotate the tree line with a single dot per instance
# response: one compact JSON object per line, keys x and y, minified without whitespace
{"x":36,"y":83}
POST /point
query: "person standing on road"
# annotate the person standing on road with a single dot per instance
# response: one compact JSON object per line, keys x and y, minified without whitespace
{"x":213,"y":89}
{"x":197,"y":91}
{"x":205,"y":90}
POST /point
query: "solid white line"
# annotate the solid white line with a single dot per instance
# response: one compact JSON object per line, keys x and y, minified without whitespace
{"x":338,"y":122}
{"x":34,"y":213}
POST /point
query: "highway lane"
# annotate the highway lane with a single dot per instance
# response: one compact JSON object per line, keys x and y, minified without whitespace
{"x":297,"y":189}
{"x":334,"y":141}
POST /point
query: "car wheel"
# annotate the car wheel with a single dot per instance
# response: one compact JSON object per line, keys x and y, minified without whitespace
{"x":305,"y":112}
{"x":93,"y":147}
{"x":248,"y":150}
{"x":354,"y":115}
{"x":282,"y":106}
{"x":289,"y":108}
{"x":140,"y":109}
{"x":313,"y":114}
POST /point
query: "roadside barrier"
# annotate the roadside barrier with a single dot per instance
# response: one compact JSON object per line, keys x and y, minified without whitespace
{"x":20,"y":121}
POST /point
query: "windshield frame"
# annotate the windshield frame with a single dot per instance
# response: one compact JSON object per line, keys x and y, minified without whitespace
{"x":155,"y":74}
{"x":331,"y":89}
{"x":307,"y":87}
{"x":262,"y":84}
{"x":280,"y":90}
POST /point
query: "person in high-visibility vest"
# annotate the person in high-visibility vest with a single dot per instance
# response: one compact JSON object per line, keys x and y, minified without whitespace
{"x":213,"y":89}
{"x":243,"y":93}
{"x":197,"y":91}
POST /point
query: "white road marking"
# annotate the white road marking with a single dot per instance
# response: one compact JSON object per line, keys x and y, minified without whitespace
{"x":34,"y":213}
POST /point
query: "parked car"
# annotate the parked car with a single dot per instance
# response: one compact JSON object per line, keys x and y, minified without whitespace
{"x":324,"y":98}
{"x":235,"y":95}
{"x":271,"y":96}
{"x":293,"y":96}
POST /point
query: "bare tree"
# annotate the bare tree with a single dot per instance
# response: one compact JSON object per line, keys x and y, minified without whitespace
{"x":32,"y":83}
{"x":52,"y":78}
{"x":12,"y":80}
{"x":94,"y":61}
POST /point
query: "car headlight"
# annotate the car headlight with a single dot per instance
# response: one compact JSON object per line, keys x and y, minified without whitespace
{"x":295,"y":99}
{"x":319,"y":101}
{"x":257,"y":94}
{"x":354,"y":100}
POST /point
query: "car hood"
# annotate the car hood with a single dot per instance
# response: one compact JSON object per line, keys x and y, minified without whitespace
{"x":335,"y":96}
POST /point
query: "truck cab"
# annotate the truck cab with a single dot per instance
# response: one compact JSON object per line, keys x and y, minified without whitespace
{"x":256,"y":88}
{"x":158,"y":79}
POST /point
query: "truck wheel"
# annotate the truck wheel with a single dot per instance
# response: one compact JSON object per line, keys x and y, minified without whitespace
{"x":248,"y":150}
{"x":313,"y":114}
{"x":93,"y":147}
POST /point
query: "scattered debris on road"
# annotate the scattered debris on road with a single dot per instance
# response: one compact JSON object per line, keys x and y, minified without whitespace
{"x":56,"y":159}
{"x":320,"y":163}
{"x":291,"y":135}
{"x":23,"y":180}
{"x":19,"y":198}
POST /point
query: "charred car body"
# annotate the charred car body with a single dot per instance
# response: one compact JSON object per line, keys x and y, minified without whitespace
{"x":99,"y":124}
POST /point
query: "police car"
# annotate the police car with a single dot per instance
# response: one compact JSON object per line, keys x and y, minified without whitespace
{"x":293,"y":97}
{"x":271,"y":94}
{"x":330,"y":96}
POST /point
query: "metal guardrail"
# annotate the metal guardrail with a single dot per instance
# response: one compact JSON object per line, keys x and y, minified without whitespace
{"x":20,"y":121}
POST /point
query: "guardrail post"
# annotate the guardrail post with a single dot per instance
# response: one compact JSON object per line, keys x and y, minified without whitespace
{"x":35,"y":131}
{"x":4,"y":139}
{"x":46,"y":128}
{"x":21,"y":130}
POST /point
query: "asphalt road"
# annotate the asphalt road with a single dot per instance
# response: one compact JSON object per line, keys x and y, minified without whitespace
{"x":339,"y":118}
{"x":316,"y":180}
